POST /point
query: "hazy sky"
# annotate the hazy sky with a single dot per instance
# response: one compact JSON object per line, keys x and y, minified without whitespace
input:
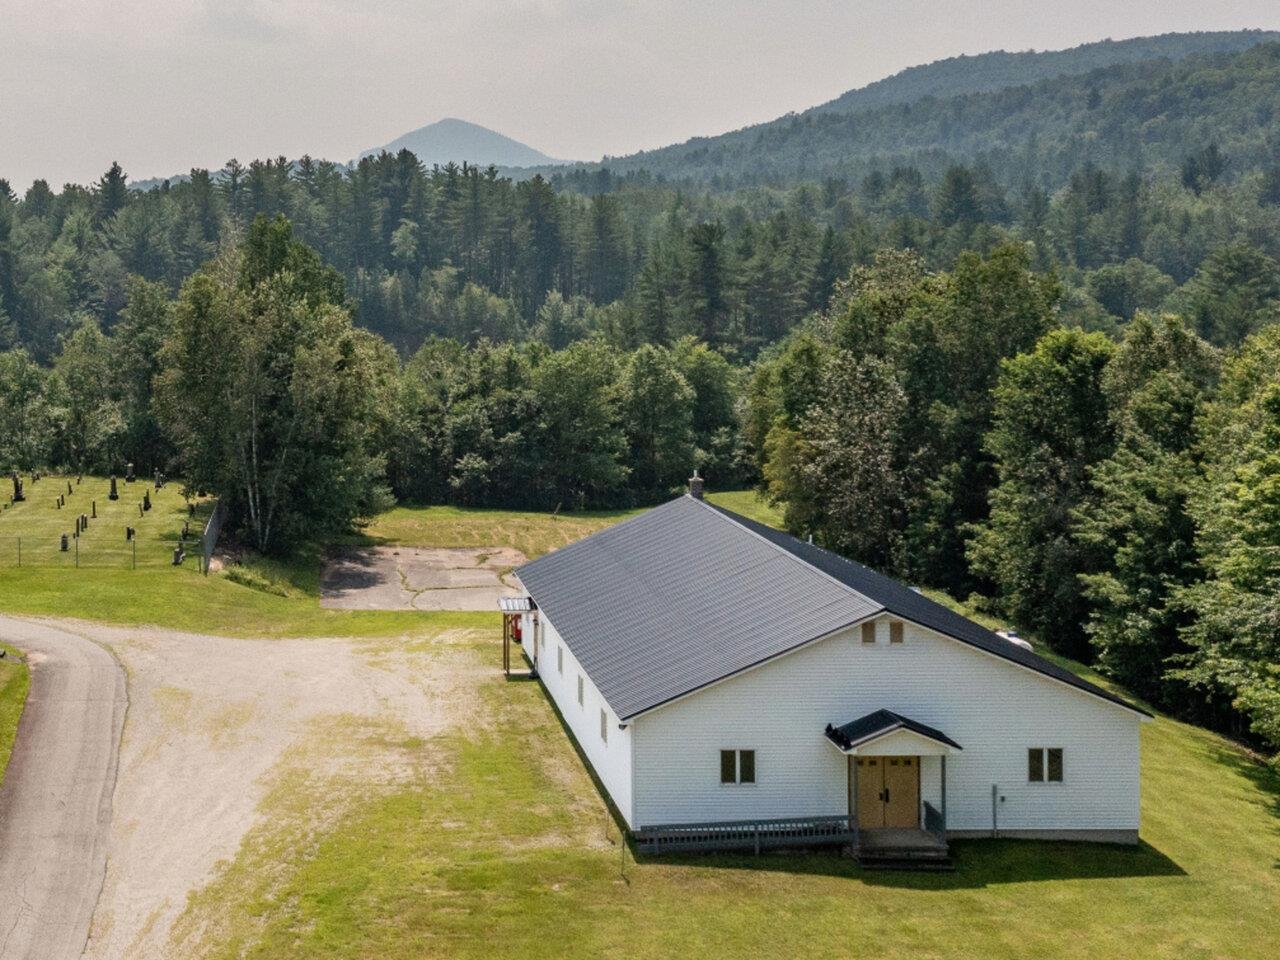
{"x":162,"y":85}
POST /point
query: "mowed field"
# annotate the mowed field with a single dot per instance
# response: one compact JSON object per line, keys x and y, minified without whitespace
{"x":490,"y":839}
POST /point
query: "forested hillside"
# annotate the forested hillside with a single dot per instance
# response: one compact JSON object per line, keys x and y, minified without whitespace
{"x":1002,"y":68}
{"x":1136,"y":114}
{"x":1053,"y":388}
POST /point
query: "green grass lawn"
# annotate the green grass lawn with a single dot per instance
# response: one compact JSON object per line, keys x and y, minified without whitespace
{"x":510,"y":853}
{"x":15,"y":679}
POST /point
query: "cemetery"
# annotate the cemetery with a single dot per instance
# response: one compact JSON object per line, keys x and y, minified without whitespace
{"x":72,"y":521}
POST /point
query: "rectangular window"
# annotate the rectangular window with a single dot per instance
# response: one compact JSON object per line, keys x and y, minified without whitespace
{"x":895,"y":631}
{"x":1055,"y":765}
{"x":560,"y":660}
{"x":1044,"y":764}
{"x":728,"y":766}
{"x":604,"y":726}
{"x":868,"y":633}
{"x":737,"y":766}
{"x":581,"y":698}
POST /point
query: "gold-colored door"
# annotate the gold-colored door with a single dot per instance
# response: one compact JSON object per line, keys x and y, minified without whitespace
{"x":870,"y":791}
{"x":902,"y":791}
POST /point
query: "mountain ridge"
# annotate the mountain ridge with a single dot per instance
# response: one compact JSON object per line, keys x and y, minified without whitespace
{"x":953,"y":79}
{"x":453,"y":140}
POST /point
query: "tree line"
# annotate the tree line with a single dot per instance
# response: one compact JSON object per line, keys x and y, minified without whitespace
{"x":1118,"y":496}
{"x":255,"y":383}
{"x":466,"y":254}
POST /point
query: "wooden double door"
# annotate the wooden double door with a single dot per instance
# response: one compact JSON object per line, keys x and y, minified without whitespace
{"x":888,"y":791}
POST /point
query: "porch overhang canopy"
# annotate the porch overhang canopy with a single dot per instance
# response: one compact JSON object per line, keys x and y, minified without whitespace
{"x":515,"y":604}
{"x":885,"y":732}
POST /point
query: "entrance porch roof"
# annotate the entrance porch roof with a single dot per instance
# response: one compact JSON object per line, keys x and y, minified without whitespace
{"x":865,"y":734}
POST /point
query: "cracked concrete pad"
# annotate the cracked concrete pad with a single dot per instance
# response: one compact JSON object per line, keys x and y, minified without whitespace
{"x":420,"y":578}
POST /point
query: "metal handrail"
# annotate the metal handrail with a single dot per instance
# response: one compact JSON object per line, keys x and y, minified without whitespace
{"x":741,"y":834}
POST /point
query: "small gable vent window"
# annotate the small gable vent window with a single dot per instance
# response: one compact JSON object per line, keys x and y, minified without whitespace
{"x":869,"y":633}
{"x":1044,"y":765}
{"x":604,"y":726}
{"x":895,"y":631}
{"x":560,"y":660}
{"x":581,"y":697}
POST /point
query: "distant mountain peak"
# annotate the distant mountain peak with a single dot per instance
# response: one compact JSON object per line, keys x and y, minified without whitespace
{"x":453,"y":140}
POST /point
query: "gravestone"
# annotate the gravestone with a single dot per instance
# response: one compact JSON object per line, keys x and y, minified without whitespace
{"x":68,"y":488}
{"x":17,"y":488}
{"x":128,"y":473}
{"x":178,"y":556}
{"x":128,"y":533}
{"x":113,"y":495}
{"x":146,"y":499}
{"x":66,"y":543}
{"x":59,"y":503}
{"x":95,"y":510}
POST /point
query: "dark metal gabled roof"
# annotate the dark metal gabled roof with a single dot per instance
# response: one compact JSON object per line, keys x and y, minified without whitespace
{"x":688,"y":593}
{"x":679,"y":597}
{"x":876,"y":725}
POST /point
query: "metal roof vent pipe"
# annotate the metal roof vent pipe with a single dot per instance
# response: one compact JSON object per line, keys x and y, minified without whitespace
{"x":695,"y":486}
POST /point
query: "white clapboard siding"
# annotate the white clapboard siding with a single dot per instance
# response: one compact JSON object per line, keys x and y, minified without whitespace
{"x":994,"y":709}
{"x":612,"y":760}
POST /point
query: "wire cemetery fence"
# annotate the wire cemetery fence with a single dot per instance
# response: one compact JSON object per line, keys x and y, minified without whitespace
{"x":43,"y":552}
{"x":89,"y":552}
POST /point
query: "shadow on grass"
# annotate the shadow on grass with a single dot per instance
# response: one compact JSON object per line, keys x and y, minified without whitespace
{"x":979,"y":863}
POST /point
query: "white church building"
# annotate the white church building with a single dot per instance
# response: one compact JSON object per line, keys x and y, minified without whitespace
{"x":732,"y":686}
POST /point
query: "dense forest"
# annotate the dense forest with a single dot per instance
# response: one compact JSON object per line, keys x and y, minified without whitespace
{"x":1055,"y":395}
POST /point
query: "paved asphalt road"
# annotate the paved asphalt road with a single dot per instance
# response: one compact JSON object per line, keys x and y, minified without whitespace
{"x":55,"y":804}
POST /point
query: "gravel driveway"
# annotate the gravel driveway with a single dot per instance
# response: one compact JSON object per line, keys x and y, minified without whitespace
{"x":212,"y":722}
